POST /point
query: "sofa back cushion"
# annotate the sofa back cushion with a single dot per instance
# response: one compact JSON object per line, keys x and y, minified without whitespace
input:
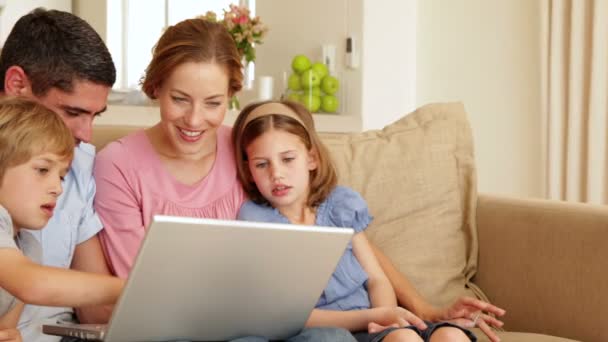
{"x":418,"y":177}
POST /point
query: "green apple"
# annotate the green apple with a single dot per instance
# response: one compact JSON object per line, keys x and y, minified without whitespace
{"x":311,"y":102}
{"x":330,"y":85}
{"x":314,"y":91}
{"x":310,"y":79}
{"x":300,"y":63}
{"x":320,"y":68}
{"x":295,"y":97}
{"x":293,"y":82}
{"x":329,"y":104}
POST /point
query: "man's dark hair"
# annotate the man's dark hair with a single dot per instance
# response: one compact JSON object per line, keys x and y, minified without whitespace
{"x":54,"y":49}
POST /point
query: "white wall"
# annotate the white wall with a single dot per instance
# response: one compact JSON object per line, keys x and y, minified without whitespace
{"x":486,"y":53}
{"x":388,"y":61}
{"x":14,"y":9}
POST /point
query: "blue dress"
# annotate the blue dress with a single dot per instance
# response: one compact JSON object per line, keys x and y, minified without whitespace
{"x":347,"y":288}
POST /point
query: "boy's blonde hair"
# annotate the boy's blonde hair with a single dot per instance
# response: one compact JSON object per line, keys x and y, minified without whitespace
{"x":28,"y":129}
{"x":297,"y":121}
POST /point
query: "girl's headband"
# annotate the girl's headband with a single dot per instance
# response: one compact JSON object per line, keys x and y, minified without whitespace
{"x":272,"y":108}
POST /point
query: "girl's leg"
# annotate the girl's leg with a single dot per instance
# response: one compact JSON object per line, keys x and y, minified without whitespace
{"x":402,"y":335}
{"x":449,"y":334}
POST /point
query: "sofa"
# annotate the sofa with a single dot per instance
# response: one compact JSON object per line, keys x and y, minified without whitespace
{"x":543,"y":261}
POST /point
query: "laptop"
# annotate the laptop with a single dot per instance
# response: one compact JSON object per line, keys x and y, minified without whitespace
{"x":213,"y":280}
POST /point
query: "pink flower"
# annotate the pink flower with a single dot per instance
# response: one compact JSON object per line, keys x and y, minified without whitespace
{"x":242,"y":20}
{"x":245,"y":30}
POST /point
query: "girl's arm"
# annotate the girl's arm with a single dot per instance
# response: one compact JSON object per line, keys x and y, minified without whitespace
{"x":41,"y":285}
{"x":358,"y":320}
{"x":379,"y":287}
{"x":406,"y":293}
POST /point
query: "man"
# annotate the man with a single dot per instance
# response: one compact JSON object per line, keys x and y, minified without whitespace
{"x":58,"y":60}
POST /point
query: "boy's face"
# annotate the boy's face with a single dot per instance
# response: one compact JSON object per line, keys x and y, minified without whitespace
{"x":29,"y":191}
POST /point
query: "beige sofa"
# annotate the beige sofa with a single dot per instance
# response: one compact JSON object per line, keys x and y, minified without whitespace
{"x":542,"y":261}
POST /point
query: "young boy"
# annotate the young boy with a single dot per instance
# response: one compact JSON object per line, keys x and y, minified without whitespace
{"x":36,"y":149}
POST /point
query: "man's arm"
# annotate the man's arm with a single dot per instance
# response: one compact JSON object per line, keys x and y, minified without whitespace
{"x":407,"y":296}
{"x":89,"y":257}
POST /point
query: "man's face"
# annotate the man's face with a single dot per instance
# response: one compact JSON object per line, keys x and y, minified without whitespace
{"x":78,"y":108}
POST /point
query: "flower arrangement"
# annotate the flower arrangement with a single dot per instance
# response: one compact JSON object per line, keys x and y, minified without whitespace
{"x":245,"y":31}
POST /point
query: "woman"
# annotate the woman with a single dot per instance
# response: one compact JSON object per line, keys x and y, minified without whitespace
{"x":184,"y":165}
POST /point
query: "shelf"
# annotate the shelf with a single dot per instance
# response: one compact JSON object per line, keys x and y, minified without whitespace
{"x":146,"y":116}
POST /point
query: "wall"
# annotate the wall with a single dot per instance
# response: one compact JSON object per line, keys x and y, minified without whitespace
{"x":486,"y":53}
{"x":14,"y":9}
{"x":388,"y":61}
{"x":94,"y":12}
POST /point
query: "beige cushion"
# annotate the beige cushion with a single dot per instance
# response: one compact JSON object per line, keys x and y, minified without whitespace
{"x":520,"y":337}
{"x":418,"y":177}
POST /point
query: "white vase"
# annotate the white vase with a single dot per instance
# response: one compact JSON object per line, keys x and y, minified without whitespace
{"x":248,"y":74}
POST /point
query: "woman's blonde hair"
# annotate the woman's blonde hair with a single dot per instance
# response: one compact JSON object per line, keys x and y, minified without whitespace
{"x":193,"y":40}
{"x":323,"y":179}
{"x":28,"y":129}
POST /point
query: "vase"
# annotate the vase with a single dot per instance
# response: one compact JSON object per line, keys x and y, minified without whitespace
{"x":248,"y":76}
{"x":233,"y":103}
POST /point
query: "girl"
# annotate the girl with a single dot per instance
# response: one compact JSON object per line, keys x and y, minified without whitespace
{"x":288,"y":175}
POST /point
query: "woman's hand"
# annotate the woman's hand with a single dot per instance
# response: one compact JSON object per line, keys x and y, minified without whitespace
{"x":10,"y":335}
{"x":469,"y":312}
{"x":387,"y":317}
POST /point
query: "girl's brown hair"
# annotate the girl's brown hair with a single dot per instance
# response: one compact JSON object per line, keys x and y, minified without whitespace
{"x":28,"y":129}
{"x":322,"y":180}
{"x":193,"y":40}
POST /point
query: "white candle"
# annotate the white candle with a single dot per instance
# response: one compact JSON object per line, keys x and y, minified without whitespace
{"x":265,"y":88}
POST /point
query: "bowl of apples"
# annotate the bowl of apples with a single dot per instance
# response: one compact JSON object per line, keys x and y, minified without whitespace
{"x":310,"y":84}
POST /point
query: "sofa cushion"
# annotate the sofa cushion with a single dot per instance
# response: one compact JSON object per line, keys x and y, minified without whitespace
{"x":418,"y":177}
{"x":519,"y":337}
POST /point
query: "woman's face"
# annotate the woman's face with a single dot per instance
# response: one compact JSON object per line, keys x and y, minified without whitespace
{"x":193,"y":102}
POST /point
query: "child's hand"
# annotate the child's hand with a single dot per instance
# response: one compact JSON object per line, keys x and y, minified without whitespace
{"x":386,"y":317}
{"x":10,"y":335}
{"x":373,"y":327}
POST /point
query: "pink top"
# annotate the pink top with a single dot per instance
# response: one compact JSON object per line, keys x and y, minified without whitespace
{"x":133,"y":185}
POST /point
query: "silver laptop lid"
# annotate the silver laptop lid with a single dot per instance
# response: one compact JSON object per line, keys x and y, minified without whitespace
{"x":204,"y":279}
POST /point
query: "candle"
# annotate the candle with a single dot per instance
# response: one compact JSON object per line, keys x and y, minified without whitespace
{"x":265,"y":88}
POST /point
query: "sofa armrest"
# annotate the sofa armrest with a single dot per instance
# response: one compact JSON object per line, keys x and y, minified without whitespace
{"x":546,"y":263}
